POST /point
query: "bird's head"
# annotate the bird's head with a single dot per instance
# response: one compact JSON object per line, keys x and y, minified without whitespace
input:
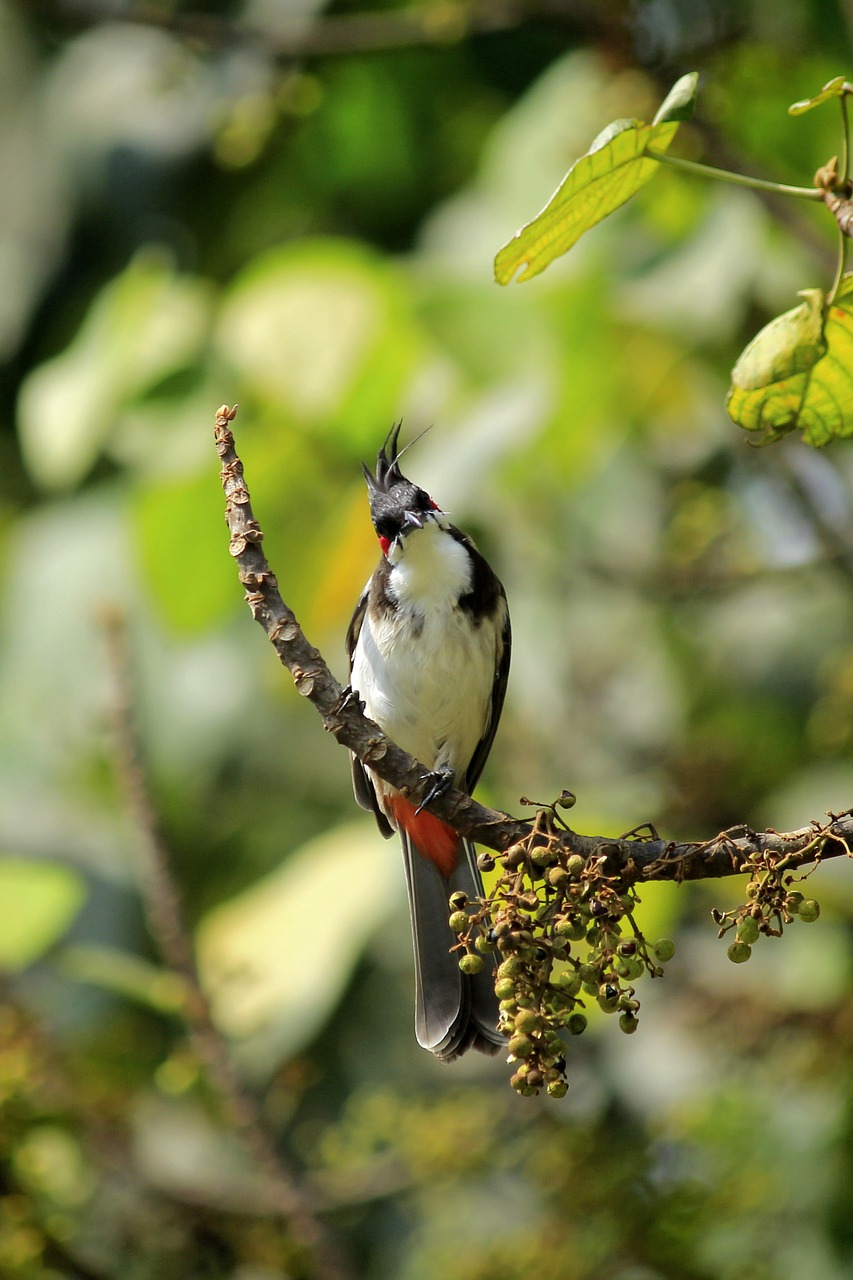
{"x":397,"y":506}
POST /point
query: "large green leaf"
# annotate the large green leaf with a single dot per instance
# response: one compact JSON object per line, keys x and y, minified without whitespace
{"x":614,"y":169}
{"x":38,"y":901}
{"x":797,"y":373}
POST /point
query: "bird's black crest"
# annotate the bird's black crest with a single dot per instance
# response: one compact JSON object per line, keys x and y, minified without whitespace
{"x":391,"y":493}
{"x":388,"y":471}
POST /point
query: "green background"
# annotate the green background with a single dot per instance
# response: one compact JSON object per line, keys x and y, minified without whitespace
{"x":284,"y":206}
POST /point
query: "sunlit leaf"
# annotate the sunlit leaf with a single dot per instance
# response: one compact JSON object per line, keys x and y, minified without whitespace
{"x":797,"y":373}
{"x":614,"y":169}
{"x":321,"y":331}
{"x":143,"y":326}
{"x":277,"y":959}
{"x":38,"y":901}
{"x":832,"y":89}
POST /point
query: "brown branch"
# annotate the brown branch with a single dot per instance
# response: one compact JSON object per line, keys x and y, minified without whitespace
{"x":164,"y":912}
{"x":637,"y":858}
{"x":425,"y":25}
{"x":330,"y":35}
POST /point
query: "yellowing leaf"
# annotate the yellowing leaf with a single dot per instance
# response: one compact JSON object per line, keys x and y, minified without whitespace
{"x":38,"y":901}
{"x":797,"y":373}
{"x":614,"y":169}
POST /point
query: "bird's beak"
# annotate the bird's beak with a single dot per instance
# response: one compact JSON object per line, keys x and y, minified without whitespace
{"x":414,"y":520}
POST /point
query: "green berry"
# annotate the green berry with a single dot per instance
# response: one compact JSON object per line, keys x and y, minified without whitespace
{"x":483,"y":945}
{"x":568,"y":982}
{"x":557,"y":876}
{"x":514,"y":856}
{"x":628,"y":1023}
{"x":486,"y":862}
{"x":458,"y":921}
{"x":809,"y":911}
{"x":607,"y":996}
{"x":526,"y":1021}
{"x":575,"y":865}
{"x":471,"y":964}
{"x":738,"y":952}
{"x":747,"y":930}
{"x":577,"y":1024}
{"x":520,"y":1046}
{"x":504,"y":988}
{"x":458,"y":900}
{"x":664,"y":949}
{"x":793,"y":902}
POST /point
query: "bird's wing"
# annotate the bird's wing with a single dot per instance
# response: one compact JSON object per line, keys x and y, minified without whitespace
{"x":484,"y":746}
{"x":361,"y":783}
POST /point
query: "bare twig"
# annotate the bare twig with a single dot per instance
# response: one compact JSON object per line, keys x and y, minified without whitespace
{"x":164,"y":912}
{"x":637,"y":859}
{"x":329,"y":35}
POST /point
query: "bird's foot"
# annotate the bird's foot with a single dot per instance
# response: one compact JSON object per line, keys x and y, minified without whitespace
{"x":439,"y":781}
{"x":349,"y":696}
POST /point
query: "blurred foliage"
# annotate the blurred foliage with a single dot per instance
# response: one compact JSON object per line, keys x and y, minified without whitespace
{"x":194,"y":215}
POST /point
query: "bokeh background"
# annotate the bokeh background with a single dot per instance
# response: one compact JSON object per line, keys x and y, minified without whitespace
{"x":295,"y":205}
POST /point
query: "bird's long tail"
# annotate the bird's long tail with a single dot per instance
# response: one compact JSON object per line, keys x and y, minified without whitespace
{"x":454,"y":1011}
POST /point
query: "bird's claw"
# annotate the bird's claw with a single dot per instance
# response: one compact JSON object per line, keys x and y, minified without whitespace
{"x":440,"y":780}
{"x":347,"y":698}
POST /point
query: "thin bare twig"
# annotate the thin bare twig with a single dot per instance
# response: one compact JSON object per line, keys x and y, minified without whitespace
{"x":638,"y":859}
{"x":322,"y":36}
{"x":164,"y":912}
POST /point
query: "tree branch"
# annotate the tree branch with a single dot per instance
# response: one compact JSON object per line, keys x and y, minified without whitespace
{"x":638,"y":856}
{"x":330,"y":35}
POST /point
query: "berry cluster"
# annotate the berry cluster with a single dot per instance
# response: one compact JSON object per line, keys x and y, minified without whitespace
{"x":771,"y":903}
{"x":564,"y":933}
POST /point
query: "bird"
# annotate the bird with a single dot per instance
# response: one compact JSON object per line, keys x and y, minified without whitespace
{"x":429,"y":650}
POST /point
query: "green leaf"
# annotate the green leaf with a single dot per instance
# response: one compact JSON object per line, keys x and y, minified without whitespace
{"x":144,"y":326}
{"x":38,"y":901}
{"x":185,"y":566}
{"x":834,"y":88}
{"x":614,"y":169}
{"x":797,"y":373}
{"x":277,"y":959}
{"x":321,"y":331}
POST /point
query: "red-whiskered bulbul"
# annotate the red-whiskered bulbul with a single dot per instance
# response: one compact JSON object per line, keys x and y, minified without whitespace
{"x":429,"y":648}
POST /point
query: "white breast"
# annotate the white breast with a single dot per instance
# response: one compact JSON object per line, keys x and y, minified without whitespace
{"x":425,"y":671}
